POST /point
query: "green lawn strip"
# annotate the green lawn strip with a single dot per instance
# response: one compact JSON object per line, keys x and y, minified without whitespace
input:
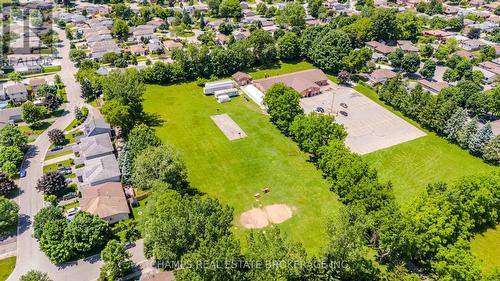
{"x":233,"y":171}
{"x":486,"y":246}
{"x":27,"y":130}
{"x":72,"y":125}
{"x":53,"y":68}
{"x":58,"y":154}
{"x":53,"y":167}
{"x":6,"y":267}
{"x":71,"y":205}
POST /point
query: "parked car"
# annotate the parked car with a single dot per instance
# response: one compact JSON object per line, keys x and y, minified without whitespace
{"x":343,"y":104}
{"x":129,"y":245}
{"x":319,"y":109}
{"x":56,"y":148}
{"x":69,"y":196}
{"x":64,"y":169}
{"x":343,"y":113}
{"x":71,"y":212}
{"x":22,"y":173}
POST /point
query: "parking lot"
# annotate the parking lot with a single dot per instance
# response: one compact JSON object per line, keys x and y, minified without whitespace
{"x":370,"y":127}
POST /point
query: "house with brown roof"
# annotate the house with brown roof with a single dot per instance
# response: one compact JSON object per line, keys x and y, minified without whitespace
{"x":432,"y":87}
{"x":464,"y":54}
{"x":380,"y":76}
{"x":380,"y":48}
{"x":138,"y":50}
{"x":36,"y":83}
{"x":242,"y":78}
{"x":308,"y":82}
{"x":439,"y":34}
{"x":171,"y":45}
{"x":106,"y":200}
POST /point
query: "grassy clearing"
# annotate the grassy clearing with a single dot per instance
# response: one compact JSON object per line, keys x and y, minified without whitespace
{"x":412,"y":165}
{"x":486,"y":246}
{"x":53,"y":167}
{"x":29,"y":131}
{"x":6,"y":267}
{"x":58,"y":154}
{"x":233,"y":171}
{"x":280,"y":68}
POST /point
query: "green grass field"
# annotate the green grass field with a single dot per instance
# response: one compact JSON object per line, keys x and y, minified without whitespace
{"x":486,"y":246}
{"x":6,"y":267}
{"x":233,"y":171}
{"x":412,"y":165}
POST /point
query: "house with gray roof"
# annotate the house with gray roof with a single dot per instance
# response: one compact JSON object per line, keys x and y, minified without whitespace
{"x":98,"y":171}
{"x":94,"y":147}
{"x":16,"y":92}
{"x":96,"y":126}
{"x":10,"y":116}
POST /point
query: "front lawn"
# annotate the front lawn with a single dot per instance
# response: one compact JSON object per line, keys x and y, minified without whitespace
{"x":58,"y":154}
{"x":35,"y":131}
{"x":6,"y":267}
{"x":53,"y":167}
{"x":234,"y":171}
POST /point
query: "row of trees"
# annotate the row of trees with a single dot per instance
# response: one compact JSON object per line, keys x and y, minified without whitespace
{"x":13,"y":144}
{"x":447,"y":113}
{"x":63,"y":241}
{"x":368,"y":220}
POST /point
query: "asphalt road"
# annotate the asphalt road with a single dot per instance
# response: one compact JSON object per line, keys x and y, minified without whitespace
{"x":29,"y":256}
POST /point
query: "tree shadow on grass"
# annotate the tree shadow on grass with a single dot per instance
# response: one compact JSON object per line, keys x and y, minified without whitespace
{"x":152,"y":119}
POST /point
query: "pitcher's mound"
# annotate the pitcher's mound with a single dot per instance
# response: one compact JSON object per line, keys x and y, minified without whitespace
{"x":262,"y":217}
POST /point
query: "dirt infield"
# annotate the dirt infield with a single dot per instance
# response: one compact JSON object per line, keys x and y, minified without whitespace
{"x":262,"y":217}
{"x":230,"y":129}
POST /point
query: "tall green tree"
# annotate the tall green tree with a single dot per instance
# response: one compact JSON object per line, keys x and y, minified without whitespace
{"x":45,"y":215}
{"x":428,"y":69}
{"x":12,"y":136}
{"x":120,"y":29}
{"x":480,"y":139}
{"x":283,"y":106}
{"x":159,"y":164}
{"x":410,"y":63}
{"x":8,"y":215}
{"x":384,"y":24}
{"x":230,"y":9}
{"x":328,"y":51}
{"x":314,"y":131}
{"x":455,"y":124}
{"x":292,"y":15}
{"x":33,"y":114}
{"x":288,"y":46}
{"x":225,"y":252}
{"x":272,"y":245}
{"x":117,"y":262}
{"x":175,"y":225}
